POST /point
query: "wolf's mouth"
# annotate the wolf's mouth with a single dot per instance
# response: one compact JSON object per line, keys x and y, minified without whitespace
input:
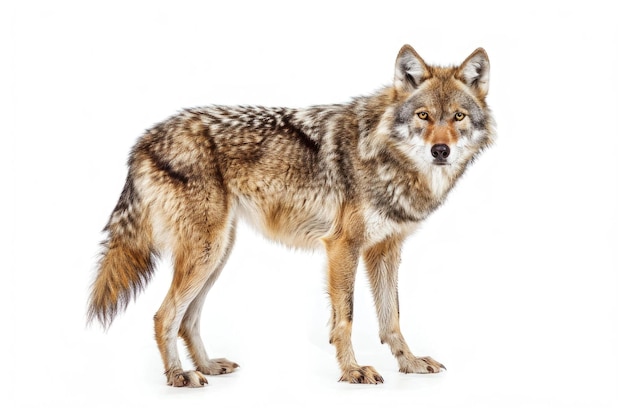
{"x":436,"y":162}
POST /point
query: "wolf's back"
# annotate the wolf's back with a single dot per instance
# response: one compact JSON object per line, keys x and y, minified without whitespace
{"x":127,"y":259}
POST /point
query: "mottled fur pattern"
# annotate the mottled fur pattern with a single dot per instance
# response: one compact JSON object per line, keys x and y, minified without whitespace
{"x":354,"y":179}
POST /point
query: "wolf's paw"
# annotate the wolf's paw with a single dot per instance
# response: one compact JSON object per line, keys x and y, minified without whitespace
{"x":423,"y":365}
{"x":218,"y":367}
{"x":190,"y":379}
{"x":361,"y":375}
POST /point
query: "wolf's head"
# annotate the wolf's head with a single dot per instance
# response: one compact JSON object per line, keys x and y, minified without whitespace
{"x":441,"y":120}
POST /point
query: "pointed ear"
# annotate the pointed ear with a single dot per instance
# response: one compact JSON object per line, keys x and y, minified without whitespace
{"x":474,"y":71}
{"x":411,"y":70}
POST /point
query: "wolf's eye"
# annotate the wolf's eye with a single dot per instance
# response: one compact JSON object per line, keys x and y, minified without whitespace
{"x":458,"y":116}
{"x":422,"y":115}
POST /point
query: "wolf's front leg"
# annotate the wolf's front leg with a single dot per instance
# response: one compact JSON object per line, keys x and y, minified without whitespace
{"x":343,"y":257}
{"x":382,"y":262}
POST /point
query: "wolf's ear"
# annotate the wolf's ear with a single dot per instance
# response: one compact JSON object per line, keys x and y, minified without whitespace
{"x":411,"y":69}
{"x":474,"y":71}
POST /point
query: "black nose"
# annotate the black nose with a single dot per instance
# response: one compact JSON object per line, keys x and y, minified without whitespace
{"x":440,"y":151}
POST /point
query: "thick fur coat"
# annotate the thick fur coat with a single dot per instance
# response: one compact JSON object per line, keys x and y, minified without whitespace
{"x":353,"y":179}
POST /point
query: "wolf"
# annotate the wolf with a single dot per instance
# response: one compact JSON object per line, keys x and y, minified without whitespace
{"x":353,"y":179}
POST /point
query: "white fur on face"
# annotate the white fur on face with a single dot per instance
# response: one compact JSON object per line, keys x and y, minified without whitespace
{"x":440,"y":177}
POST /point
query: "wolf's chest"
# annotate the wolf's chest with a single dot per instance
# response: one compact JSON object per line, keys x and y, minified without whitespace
{"x":379,"y":226}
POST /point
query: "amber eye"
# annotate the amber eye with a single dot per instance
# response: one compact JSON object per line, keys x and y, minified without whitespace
{"x":458,"y":116}
{"x":422,"y":115}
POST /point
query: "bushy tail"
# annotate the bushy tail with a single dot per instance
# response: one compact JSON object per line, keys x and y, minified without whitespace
{"x":127,"y":259}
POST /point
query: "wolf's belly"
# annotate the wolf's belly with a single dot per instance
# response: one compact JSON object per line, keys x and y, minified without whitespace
{"x":298,"y":224}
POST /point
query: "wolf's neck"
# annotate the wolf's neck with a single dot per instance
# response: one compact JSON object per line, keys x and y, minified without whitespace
{"x":440,"y":180}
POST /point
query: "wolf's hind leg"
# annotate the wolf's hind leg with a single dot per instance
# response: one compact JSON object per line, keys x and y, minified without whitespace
{"x":382,"y":262}
{"x":196,"y":257}
{"x":190,"y":326}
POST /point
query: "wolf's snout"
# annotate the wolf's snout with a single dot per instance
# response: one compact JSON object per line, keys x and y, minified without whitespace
{"x":440,"y":151}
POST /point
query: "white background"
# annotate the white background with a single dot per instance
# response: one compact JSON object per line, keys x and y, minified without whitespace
{"x":516,"y":284}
